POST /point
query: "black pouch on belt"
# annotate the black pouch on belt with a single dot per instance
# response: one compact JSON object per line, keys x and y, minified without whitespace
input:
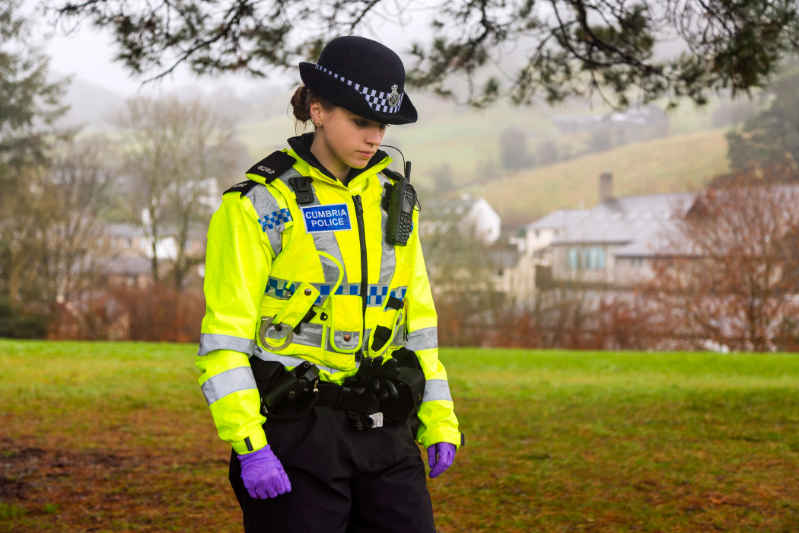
{"x":266,"y":373}
{"x":280,"y":388}
{"x":410,"y":386}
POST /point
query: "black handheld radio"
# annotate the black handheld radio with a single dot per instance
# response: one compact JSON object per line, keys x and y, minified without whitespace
{"x":400,"y":207}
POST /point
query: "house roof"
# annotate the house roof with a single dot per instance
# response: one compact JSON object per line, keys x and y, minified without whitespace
{"x":124,"y":230}
{"x":639,"y":223}
{"x":128,"y":264}
{"x":453,"y":209}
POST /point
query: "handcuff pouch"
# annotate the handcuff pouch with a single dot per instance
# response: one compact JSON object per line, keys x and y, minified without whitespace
{"x":276,"y":332}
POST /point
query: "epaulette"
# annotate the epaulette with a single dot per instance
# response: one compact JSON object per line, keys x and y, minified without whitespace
{"x":243,"y":187}
{"x":272,"y":166}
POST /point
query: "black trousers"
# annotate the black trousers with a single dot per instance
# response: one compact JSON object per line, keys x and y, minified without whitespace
{"x":342,"y":480}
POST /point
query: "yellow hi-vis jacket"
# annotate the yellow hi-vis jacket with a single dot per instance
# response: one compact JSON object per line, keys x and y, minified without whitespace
{"x":263,"y":248}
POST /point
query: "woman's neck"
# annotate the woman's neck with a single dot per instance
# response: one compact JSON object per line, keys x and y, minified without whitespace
{"x":328,"y":159}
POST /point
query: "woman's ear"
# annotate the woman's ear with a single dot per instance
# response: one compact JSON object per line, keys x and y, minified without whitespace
{"x":317,"y":114}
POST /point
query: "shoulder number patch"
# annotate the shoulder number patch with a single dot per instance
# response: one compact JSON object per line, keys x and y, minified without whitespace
{"x":243,"y":187}
{"x":332,"y":217}
{"x":273,"y":166}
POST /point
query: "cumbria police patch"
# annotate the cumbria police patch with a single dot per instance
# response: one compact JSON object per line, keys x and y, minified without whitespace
{"x":332,"y":217}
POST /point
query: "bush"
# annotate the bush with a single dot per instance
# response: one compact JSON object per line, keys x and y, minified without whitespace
{"x":16,"y":324}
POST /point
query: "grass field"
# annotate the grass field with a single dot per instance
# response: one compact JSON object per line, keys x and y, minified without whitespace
{"x":117,"y":437}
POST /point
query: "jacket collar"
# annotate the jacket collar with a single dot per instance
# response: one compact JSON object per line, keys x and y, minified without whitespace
{"x":301,"y":145}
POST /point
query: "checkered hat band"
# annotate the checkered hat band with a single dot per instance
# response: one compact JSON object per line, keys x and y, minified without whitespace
{"x":375,"y":294}
{"x":377,"y":100}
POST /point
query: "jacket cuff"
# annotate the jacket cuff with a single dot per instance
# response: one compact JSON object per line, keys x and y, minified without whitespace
{"x":256,"y":442}
{"x":434,"y":436}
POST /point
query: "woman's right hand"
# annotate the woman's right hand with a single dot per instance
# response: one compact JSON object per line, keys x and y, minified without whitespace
{"x":263,"y":475}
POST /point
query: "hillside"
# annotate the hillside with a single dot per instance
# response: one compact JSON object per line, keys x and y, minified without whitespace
{"x":464,"y":144}
{"x":445,"y":134}
{"x":679,"y":163}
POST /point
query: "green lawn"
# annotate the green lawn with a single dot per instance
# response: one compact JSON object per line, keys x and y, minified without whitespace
{"x":116,"y":437}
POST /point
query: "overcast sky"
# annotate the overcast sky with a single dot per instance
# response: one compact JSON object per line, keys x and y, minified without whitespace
{"x":88,"y":54}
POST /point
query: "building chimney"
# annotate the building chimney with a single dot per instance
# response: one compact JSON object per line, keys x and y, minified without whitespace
{"x":605,"y":186}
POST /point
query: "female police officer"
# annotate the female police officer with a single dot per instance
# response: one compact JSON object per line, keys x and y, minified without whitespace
{"x":319,"y":345}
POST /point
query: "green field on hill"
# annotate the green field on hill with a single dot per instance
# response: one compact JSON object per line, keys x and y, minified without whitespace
{"x":673,"y":164}
{"x":117,"y":437}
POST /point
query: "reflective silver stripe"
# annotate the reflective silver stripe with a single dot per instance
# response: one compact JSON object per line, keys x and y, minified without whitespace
{"x":388,"y":259}
{"x":422,"y":339}
{"x":341,"y":344}
{"x":400,"y":337}
{"x":266,"y":206}
{"x":310,"y":335}
{"x":228,"y":382}
{"x":215,"y":341}
{"x":287,"y":360}
{"x":325,"y":241}
{"x":367,"y":337}
{"x":436,"y":389}
{"x":287,"y":175}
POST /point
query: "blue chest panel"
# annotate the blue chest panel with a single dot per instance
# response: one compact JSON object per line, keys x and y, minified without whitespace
{"x":331,"y":217}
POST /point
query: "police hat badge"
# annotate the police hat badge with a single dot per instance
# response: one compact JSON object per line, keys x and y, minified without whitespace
{"x":393,"y":98}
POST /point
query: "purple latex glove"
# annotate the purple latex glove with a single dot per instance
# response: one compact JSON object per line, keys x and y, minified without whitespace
{"x":263,"y":475}
{"x":445,"y":453}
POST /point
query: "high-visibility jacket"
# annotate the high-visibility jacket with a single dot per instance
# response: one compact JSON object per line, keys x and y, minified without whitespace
{"x":263,"y":247}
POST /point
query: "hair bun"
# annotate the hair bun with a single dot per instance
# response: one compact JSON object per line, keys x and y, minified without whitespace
{"x":301,"y":104}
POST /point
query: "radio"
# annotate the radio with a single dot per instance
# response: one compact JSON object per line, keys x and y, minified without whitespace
{"x":401,"y":204}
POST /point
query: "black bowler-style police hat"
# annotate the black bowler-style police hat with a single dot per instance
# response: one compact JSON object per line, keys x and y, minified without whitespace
{"x":362,"y":76}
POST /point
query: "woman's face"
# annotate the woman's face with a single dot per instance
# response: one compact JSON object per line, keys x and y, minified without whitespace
{"x":351,"y":138}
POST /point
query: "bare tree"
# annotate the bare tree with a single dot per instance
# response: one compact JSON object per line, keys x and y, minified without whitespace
{"x":80,"y":181}
{"x":53,"y":224}
{"x":731,"y":278}
{"x":171,"y":149}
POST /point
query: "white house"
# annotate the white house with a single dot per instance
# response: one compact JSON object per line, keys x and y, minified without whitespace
{"x":471,"y":216}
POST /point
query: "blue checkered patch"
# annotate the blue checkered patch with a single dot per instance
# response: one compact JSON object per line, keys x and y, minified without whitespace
{"x":275,"y":219}
{"x":376,"y":294}
{"x":399,"y":292}
{"x":278,"y":288}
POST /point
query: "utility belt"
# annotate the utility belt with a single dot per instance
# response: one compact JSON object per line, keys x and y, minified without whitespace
{"x":288,"y":395}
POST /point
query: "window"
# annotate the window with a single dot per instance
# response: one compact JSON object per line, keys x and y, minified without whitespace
{"x":586,"y":259}
{"x":572,"y":259}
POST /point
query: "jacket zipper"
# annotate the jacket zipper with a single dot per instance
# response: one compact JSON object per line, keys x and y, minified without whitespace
{"x":356,"y":199}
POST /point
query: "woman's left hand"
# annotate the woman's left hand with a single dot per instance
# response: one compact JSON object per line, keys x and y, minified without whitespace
{"x":440,"y":457}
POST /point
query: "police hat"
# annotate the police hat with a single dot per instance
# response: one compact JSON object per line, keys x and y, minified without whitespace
{"x":362,"y":76}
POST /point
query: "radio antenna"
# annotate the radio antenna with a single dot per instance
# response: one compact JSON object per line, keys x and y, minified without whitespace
{"x":405,"y":166}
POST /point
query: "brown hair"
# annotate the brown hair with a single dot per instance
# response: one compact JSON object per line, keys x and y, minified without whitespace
{"x":301,"y":106}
